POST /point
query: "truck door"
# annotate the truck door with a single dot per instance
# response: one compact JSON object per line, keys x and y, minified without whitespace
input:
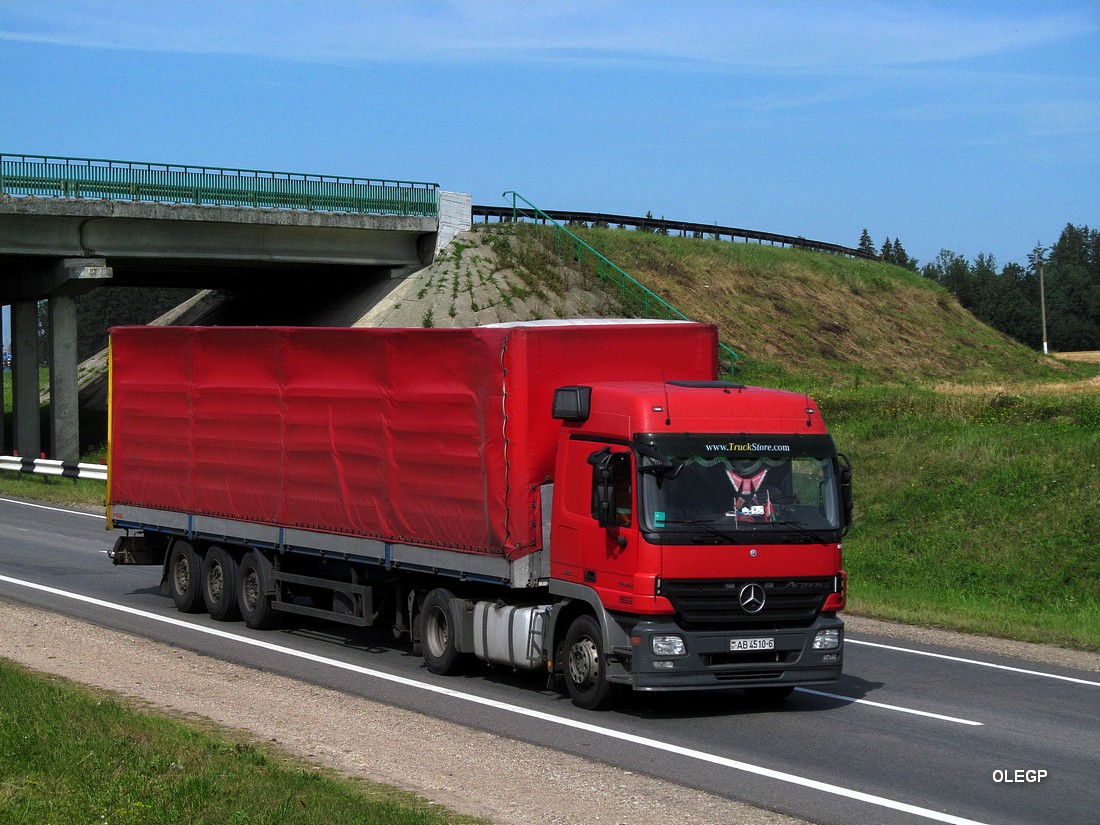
{"x":610,"y":558}
{"x":595,"y":517}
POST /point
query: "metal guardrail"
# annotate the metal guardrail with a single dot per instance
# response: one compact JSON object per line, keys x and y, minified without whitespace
{"x":85,"y":178}
{"x":700,"y":230}
{"x":634,"y":296}
{"x":50,"y":467}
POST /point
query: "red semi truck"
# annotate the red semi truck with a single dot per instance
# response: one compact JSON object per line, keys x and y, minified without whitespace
{"x":580,"y":498}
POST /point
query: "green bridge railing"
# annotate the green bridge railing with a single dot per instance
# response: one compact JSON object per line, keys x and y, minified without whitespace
{"x":56,"y":177}
{"x":634,"y":297}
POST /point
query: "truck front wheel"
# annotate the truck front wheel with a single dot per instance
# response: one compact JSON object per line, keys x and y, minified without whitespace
{"x":185,"y":578}
{"x":438,"y":633}
{"x":252,"y":598}
{"x":586,"y":668}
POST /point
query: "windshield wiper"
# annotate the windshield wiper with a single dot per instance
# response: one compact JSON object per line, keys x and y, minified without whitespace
{"x":708,"y":524}
{"x":806,"y":531}
{"x":739,"y":530}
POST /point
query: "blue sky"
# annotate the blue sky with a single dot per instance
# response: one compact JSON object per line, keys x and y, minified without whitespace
{"x":970,"y":126}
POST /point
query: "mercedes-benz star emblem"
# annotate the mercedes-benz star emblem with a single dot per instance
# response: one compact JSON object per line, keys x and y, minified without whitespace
{"x":751,"y":598}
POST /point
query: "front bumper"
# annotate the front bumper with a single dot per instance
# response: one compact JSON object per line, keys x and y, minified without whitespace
{"x":709,"y":662}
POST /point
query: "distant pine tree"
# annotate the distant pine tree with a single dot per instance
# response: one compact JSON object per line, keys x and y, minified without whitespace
{"x":901,"y":257}
{"x":866,"y":245}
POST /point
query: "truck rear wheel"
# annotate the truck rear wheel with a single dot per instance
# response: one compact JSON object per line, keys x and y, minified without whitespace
{"x":438,"y":633}
{"x":185,"y":578}
{"x":219,"y":585}
{"x":252,"y":598}
{"x":585,"y":666}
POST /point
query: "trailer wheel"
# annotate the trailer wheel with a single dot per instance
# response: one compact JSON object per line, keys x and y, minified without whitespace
{"x":219,"y":585}
{"x":585,"y":667}
{"x":438,"y":633}
{"x":252,"y":600}
{"x":185,"y":578}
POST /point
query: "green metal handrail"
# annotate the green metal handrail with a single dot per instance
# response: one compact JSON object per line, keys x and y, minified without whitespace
{"x":635,"y":297}
{"x":85,"y":178}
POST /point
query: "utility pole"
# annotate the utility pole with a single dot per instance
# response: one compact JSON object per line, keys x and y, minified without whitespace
{"x":1043,"y":307}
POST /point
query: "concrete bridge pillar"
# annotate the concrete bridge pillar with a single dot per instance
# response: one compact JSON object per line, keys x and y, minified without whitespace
{"x":26,"y":427}
{"x":67,"y":278}
{"x":3,"y":442}
{"x":64,"y":390}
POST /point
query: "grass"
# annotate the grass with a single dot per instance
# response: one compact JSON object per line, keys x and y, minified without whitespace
{"x":70,"y":755}
{"x":800,"y":313}
{"x":977,"y":514}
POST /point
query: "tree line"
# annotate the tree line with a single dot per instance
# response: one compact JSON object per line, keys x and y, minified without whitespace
{"x":1066,"y":275}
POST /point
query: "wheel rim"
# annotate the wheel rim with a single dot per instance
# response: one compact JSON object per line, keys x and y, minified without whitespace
{"x":182,"y":574}
{"x":584,"y":663}
{"x":215,"y":581}
{"x":436,"y":632}
{"x":251,"y":590}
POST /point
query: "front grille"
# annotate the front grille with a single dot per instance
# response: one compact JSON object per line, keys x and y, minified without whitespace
{"x":710,"y":603}
{"x":748,"y":675}
{"x":763,"y":657}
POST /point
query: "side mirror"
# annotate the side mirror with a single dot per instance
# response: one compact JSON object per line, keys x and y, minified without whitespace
{"x":603,"y":492}
{"x":846,"y":489}
{"x":572,"y":403}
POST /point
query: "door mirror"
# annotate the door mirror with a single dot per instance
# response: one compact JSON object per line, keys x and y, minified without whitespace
{"x":846,"y":489}
{"x":603,"y":491}
{"x":612,"y":488}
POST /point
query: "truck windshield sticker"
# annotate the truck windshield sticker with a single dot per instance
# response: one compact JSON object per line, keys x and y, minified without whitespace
{"x":747,"y":447}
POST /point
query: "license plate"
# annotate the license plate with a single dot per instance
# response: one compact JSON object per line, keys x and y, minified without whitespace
{"x":752,"y":644}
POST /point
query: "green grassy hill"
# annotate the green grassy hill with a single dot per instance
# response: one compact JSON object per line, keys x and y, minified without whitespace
{"x":799,"y":313}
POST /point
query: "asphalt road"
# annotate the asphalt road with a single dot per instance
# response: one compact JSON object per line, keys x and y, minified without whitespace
{"x":910,"y":734}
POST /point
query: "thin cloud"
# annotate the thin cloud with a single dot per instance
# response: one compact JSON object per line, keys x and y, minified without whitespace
{"x":798,"y":37}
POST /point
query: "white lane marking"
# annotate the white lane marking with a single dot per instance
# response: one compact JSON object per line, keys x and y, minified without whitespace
{"x":99,"y":516}
{"x":851,"y":641}
{"x":897,"y":708}
{"x":654,"y":744}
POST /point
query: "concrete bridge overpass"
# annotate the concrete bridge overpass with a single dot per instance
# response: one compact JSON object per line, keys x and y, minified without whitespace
{"x":287,"y":240}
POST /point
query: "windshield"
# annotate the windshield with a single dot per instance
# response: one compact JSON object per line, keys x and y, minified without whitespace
{"x":728,"y":485}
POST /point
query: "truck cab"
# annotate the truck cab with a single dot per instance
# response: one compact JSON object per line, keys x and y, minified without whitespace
{"x":710,"y":553}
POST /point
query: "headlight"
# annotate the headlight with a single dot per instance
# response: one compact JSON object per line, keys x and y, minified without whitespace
{"x":827,"y":640}
{"x":667,"y":646}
